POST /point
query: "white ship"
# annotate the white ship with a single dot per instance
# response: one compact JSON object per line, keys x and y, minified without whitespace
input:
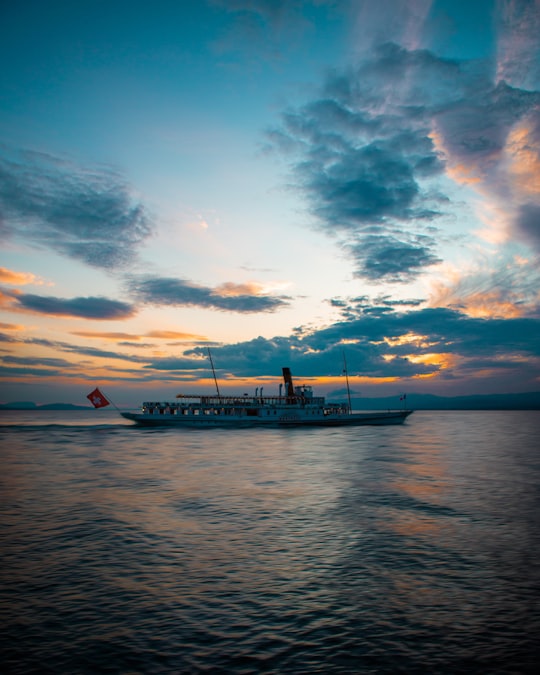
{"x":296,"y":407}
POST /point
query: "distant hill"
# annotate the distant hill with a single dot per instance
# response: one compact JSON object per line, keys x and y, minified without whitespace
{"x":30,"y":405}
{"x":523,"y":401}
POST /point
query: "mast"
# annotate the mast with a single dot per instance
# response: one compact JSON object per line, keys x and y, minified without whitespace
{"x":213,"y":371}
{"x":347,"y":380}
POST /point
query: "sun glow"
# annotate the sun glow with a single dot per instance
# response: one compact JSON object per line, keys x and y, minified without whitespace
{"x":443,"y":360}
{"x":409,"y":339}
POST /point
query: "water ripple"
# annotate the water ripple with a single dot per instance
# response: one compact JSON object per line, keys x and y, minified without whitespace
{"x":333,"y":551}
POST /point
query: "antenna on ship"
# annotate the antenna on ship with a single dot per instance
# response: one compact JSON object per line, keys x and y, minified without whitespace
{"x":213,"y":371}
{"x":347,"y":380}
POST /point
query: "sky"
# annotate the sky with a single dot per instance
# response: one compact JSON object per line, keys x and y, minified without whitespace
{"x":283,"y":182}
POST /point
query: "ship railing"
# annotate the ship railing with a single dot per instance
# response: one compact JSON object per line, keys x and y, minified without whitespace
{"x":250,"y":401}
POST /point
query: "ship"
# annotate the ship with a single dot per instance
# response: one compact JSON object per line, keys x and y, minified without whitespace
{"x":294,"y":406}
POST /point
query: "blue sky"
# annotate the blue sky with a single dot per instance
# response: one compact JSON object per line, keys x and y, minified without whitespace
{"x":281,"y":181}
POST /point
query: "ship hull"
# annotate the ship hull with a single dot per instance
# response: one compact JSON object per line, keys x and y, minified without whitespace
{"x":289,"y":420}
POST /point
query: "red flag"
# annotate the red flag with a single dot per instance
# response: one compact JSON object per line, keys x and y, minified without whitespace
{"x":97,"y":399}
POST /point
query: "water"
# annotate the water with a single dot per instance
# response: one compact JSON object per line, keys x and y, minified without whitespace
{"x":411,"y":549}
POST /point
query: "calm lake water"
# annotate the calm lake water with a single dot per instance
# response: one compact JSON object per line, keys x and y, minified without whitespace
{"x":411,"y":549}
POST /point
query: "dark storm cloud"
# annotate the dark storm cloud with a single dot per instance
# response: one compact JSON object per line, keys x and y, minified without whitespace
{"x":366,"y":153}
{"x":85,"y":214}
{"x":365,"y":186}
{"x":31,"y":372}
{"x":84,"y":308}
{"x":478,"y":127}
{"x":99,"y":353}
{"x":369,"y":339}
{"x":362,"y":160}
{"x":179,"y":292}
{"x":258,"y":357}
{"x":84,"y":351}
{"x":4,"y":337}
{"x":37,"y":361}
{"x":386,"y":256}
{"x":263,"y":357}
{"x":68,"y":348}
{"x":528,"y":222}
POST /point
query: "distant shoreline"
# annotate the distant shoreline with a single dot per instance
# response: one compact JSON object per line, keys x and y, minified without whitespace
{"x":520,"y":401}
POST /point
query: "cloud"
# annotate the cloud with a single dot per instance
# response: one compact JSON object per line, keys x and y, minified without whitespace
{"x":88,"y":214}
{"x":37,"y":361}
{"x":491,"y":142}
{"x":268,"y":28}
{"x":369,"y":152}
{"x":518,"y":24}
{"x":158,"y":334}
{"x":11,"y":326}
{"x":85,"y":351}
{"x":381,"y":346}
{"x":74,"y":349}
{"x":391,"y":20}
{"x":383,"y":343}
{"x":173,"y":335}
{"x":528,"y":223}
{"x":83,"y":308}
{"x":18,"y":278}
{"x":30,"y":372}
{"x":4,"y":337}
{"x":365,"y":159}
{"x":392,"y":259}
{"x":492,"y":287}
{"x":178,"y":292}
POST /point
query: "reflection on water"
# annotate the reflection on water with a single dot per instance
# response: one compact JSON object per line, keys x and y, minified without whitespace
{"x":399,"y":549}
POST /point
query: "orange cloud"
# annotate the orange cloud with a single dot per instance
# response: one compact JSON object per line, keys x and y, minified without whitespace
{"x":173,"y":335}
{"x":442,"y":360}
{"x":18,"y":278}
{"x":106,"y":336}
{"x":493,"y":304}
{"x":232,"y":290}
{"x":160,"y":334}
{"x":7,"y":300}
{"x":11,"y":326}
{"x":485,"y":305}
{"x":458,"y":171}
{"x":409,"y":338}
{"x":482,"y":293}
{"x":524,"y":160}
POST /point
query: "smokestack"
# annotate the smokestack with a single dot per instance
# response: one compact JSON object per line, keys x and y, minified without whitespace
{"x":287,"y":378}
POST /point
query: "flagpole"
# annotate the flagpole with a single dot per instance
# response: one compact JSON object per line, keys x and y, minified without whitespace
{"x":112,"y":402}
